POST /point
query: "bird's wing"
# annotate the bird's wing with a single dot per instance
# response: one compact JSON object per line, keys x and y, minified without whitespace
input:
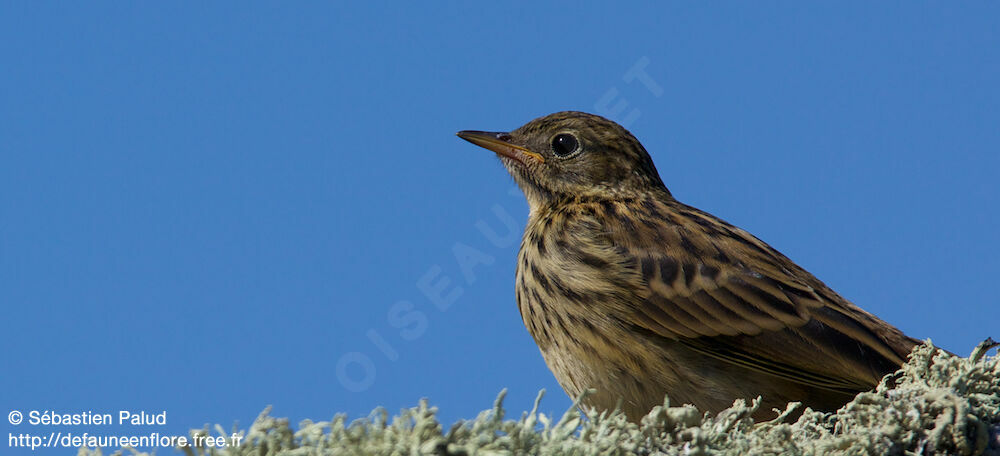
{"x":724,"y":293}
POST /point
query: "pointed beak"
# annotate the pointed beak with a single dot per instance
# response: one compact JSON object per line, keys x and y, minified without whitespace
{"x":499,"y":143}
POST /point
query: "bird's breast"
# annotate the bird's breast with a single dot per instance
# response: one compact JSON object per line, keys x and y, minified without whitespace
{"x":572,"y":287}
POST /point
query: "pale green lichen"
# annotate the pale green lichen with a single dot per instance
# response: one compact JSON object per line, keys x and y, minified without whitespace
{"x":935,"y":404}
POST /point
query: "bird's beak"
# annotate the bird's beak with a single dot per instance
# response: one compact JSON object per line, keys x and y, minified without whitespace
{"x":499,"y":143}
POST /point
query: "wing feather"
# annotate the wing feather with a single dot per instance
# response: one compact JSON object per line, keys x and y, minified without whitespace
{"x":747,"y":304}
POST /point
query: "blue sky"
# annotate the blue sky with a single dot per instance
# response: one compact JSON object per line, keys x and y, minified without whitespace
{"x":204,"y":208}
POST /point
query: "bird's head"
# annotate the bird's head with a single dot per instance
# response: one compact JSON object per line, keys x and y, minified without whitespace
{"x":572,"y":154}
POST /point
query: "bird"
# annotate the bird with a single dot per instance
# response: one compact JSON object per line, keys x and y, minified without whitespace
{"x":633,"y":296}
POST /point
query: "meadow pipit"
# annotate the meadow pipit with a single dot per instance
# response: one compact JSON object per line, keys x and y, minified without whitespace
{"x":633,"y":293}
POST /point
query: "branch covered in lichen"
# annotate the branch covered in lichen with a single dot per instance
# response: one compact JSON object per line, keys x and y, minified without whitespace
{"x":935,"y":404}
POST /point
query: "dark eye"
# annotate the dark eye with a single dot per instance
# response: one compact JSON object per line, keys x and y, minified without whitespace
{"x":564,"y":144}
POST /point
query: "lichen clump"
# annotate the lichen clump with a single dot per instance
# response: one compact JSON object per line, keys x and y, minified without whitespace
{"x":935,"y":404}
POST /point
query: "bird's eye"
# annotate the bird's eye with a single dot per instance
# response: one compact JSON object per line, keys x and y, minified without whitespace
{"x":564,"y":144}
